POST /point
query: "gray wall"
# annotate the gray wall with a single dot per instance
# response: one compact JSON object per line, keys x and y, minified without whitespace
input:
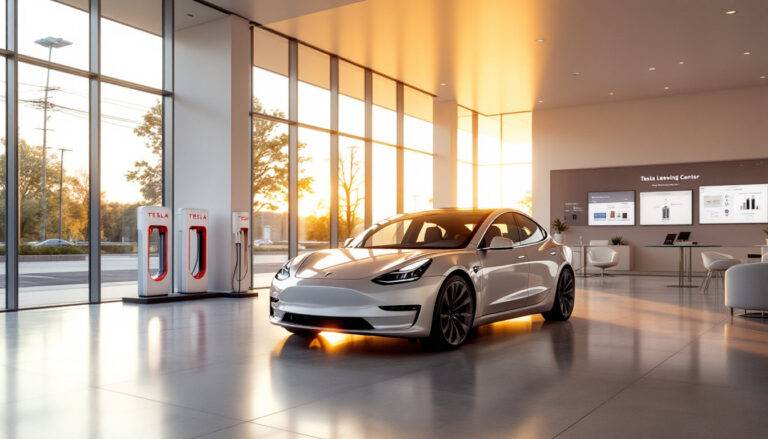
{"x":720,"y":125}
{"x":574,"y":185}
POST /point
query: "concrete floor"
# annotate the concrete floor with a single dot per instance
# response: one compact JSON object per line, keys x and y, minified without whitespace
{"x":637,"y":359}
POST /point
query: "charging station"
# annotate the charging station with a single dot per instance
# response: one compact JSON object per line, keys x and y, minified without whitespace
{"x":241,"y":240}
{"x":154,"y":226}
{"x":192,"y":250}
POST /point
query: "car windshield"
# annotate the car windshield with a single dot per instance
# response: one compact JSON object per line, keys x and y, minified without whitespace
{"x":449,"y":229}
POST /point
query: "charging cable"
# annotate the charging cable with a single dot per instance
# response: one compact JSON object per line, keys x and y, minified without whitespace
{"x":237,"y":273}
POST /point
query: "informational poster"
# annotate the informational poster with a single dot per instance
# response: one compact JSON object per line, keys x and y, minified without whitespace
{"x":574,"y":213}
{"x":611,"y":208}
{"x":733,"y":204}
{"x":666,"y":208}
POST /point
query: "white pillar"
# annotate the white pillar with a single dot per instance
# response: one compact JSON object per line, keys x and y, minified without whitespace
{"x":212,"y":133}
{"x":444,"y":165}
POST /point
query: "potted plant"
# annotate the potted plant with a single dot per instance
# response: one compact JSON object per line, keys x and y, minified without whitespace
{"x":618,"y":240}
{"x":558,"y":227}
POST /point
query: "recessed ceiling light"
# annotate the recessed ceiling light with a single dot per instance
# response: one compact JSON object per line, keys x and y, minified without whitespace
{"x":681,"y":62}
{"x":666,"y":87}
{"x":651,"y":68}
{"x":611,"y":93}
{"x":540,"y":40}
{"x":443,"y":84}
{"x":747,"y":53}
{"x":763,"y":77}
{"x":730,"y":12}
{"x":541,"y":101}
{"x":576,"y":73}
{"x":190,"y":15}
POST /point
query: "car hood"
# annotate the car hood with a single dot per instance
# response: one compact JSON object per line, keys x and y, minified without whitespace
{"x":356,"y":263}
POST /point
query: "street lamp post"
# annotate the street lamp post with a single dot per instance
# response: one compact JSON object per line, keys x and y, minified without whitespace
{"x":51,"y":43}
{"x":61,"y":189}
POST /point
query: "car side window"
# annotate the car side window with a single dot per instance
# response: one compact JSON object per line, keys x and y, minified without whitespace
{"x":504,"y":226}
{"x":530,"y":232}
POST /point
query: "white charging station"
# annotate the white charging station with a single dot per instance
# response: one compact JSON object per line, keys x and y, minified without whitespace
{"x":192,"y":250}
{"x":153,"y":225}
{"x":241,"y":240}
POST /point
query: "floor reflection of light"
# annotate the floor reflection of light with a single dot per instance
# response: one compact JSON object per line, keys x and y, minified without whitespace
{"x":154,"y":343}
{"x":516,"y":324}
{"x":335,"y":338}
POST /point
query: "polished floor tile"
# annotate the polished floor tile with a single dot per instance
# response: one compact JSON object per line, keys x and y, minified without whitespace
{"x":637,"y":359}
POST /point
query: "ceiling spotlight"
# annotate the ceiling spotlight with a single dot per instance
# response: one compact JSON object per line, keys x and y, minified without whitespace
{"x":681,"y":62}
{"x":763,"y":77}
{"x":541,"y":101}
{"x":651,"y":69}
{"x":611,"y":93}
{"x":666,"y":87}
{"x":443,"y":84}
{"x":540,"y":40}
{"x":576,"y":73}
{"x":730,"y":12}
{"x":747,"y":53}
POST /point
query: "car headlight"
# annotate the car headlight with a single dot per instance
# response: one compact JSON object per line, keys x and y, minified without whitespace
{"x":284,"y":272}
{"x":408,"y":273}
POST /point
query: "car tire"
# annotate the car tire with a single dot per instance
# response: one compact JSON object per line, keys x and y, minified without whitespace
{"x":453,"y":315}
{"x":307,"y":333}
{"x":565,"y":298}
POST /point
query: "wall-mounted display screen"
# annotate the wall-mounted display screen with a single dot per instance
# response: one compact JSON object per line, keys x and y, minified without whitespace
{"x":611,"y":208}
{"x":734,"y":204}
{"x":666,"y":208}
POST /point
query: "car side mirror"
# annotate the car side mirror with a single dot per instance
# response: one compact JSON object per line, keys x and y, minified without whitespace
{"x":347,"y":242}
{"x":501,"y":242}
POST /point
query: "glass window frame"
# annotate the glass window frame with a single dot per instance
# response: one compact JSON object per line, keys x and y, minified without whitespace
{"x":89,"y":70}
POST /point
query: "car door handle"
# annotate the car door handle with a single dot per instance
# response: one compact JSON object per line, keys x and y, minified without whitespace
{"x":553,"y":253}
{"x":521,"y":257}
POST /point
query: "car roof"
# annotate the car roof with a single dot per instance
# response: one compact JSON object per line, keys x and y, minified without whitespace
{"x":459,"y":209}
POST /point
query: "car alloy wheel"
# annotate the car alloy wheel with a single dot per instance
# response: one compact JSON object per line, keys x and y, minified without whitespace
{"x":565,"y":297}
{"x":455,"y":312}
{"x":567,"y":294}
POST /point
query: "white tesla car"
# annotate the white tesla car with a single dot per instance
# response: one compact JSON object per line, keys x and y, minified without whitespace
{"x":431,"y":275}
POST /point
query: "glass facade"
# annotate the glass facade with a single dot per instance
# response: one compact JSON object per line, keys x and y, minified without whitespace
{"x":350,"y":163}
{"x":131,"y":44}
{"x":418,"y":142}
{"x":314,"y":189}
{"x":54,"y":31}
{"x":351,"y":187}
{"x":384,"y":197}
{"x":270,"y":74}
{"x":53,"y":187}
{"x":502,"y":164}
{"x":131,"y":176}
{"x":465,"y":185}
{"x":59,"y":142}
{"x":270,"y":198}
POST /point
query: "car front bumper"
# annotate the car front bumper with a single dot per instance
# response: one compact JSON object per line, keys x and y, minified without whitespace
{"x":355,"y":306}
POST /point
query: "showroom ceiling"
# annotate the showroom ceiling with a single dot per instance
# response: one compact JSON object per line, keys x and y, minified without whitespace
{"x":514,"y":55}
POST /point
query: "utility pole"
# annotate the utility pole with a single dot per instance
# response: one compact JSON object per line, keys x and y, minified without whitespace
{"x":51,"y":43}
{"x":61,"y":189}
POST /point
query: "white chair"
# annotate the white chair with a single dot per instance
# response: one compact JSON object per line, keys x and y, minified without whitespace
{"x":601,"y":256}
{"x":746,"y":287}
{"x":716,"y":264}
